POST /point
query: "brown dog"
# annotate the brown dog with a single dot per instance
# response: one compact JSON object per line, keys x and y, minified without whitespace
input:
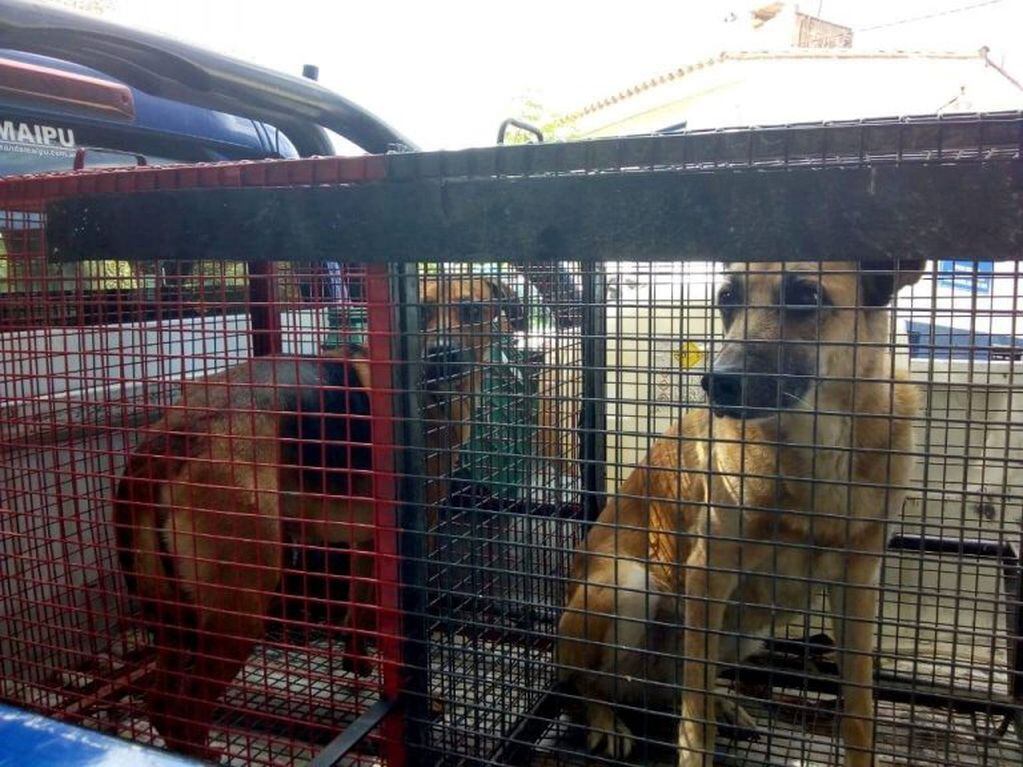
{"x":275,"y":449}
{"x":691,"y":563}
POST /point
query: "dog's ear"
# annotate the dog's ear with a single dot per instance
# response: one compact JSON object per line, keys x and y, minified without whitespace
{"x":510,"y":302}
{"x":881,"y":280}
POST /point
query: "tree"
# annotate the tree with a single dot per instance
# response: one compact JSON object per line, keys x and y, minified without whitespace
{"x":92,"y":7}
{"x":555,"y":126}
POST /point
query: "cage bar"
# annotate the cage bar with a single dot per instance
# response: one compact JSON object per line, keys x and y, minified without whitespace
{"x":583,"y":279}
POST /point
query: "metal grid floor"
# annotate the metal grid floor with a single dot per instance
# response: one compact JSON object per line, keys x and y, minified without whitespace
{"x":280,"y":685}
{"x":799,"y":730}
{"x":796,"y":727}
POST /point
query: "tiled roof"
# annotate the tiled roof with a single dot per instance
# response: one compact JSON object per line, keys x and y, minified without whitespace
{"x":791,"y":53}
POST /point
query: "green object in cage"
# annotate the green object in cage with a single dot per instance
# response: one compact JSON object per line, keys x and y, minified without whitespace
{"x":499,"y":454}
{"x":345,"y":325}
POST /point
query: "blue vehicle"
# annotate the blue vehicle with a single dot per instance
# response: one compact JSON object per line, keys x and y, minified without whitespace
{"x":77,"y":92}
{"x":70,"y":82}
{"x":56,"y":115}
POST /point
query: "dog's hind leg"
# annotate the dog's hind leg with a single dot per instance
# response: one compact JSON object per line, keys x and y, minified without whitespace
{"x":361,"y":616}
{"x":183,"y":702}
{"x":608,"y":730}
{"x":225,"y":643}
{"x":226,"y":556}
{"x":601,"y":634}
{"x":167,"y":703}
{"x":231,"y":619}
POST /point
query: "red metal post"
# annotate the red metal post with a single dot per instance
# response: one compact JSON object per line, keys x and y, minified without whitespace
{"x":380,"y":310}
{"x":264,"y":309}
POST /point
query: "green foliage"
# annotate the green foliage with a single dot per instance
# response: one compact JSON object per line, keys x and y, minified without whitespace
{"x":530,"y":109}
{"x":94,"y":7}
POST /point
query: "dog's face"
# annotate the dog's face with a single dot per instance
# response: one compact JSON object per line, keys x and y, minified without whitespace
{"x":461,"y":318}
{"x":792,"y":328}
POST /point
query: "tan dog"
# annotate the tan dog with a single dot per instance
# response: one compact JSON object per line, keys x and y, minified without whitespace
{"x":274,"y":449}
{"x":691,"y":563}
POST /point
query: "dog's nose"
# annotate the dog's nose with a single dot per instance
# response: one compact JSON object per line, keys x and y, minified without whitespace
{"x":724,"y":390}
{"x":742,"y":395}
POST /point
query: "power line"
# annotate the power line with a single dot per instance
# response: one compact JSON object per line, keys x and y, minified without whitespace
{"x":910,"y":20}
{"x":928,"y":16}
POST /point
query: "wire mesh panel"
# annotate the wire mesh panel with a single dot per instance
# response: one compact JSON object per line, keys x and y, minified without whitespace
{"x":795,"y":558}
{"x":760,"y":392}
{"x":939,"y":680}
{"x":703,"y":447}
{"x":499,"y":536}
{"x":198,"y":496}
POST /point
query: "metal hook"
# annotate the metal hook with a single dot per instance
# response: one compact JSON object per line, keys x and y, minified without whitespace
{"x":521,"y":126}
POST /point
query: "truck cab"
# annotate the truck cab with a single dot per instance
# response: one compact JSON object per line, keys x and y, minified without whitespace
{"x":56,"y":115}
{"x":77,"y":92}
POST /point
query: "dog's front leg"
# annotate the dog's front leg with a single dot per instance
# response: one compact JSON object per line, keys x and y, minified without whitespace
{"x":711,"y":576}
{"x":854,"y":608}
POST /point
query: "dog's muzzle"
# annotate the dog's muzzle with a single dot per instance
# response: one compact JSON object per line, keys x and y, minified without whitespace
{"x":445,"y":365}
{"x":735,"y":394}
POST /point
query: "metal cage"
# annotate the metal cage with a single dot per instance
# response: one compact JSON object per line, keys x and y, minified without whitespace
{"x":529,"y":323}
{"x":136,"y":394}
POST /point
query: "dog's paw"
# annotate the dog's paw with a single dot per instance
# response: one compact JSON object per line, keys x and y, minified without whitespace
{"x":988,"y":506}
{"x":733,"y":716}
{"x":357,"y":663}
{"x":694,"y":759}
{"x":608,"y":733}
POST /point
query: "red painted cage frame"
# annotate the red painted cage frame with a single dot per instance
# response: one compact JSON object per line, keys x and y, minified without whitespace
{"x":32,"y":194}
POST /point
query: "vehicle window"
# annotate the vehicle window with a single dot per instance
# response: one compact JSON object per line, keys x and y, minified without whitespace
{"x":37,"y":147}
{"x":18,"y":162}
{"x":31,"y":147}
{"x":18,"y":158}
{"x":343,"y":146}
{"x":34,"y":293}
{"x":963,"y":316}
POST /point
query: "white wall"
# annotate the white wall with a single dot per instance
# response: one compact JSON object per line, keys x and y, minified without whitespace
{"x":658,"y":309}
{"x":808,"y":86}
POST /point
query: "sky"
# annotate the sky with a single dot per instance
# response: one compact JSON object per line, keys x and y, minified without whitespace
{"x":446,"y":72}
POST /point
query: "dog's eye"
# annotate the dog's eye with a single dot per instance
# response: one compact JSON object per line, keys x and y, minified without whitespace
{"x":802,"y":295}
{"x":729,"y":295}
{"x":471,"y":313}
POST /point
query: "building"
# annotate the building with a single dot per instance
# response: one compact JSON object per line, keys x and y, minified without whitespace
{"x":783,"y":66}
